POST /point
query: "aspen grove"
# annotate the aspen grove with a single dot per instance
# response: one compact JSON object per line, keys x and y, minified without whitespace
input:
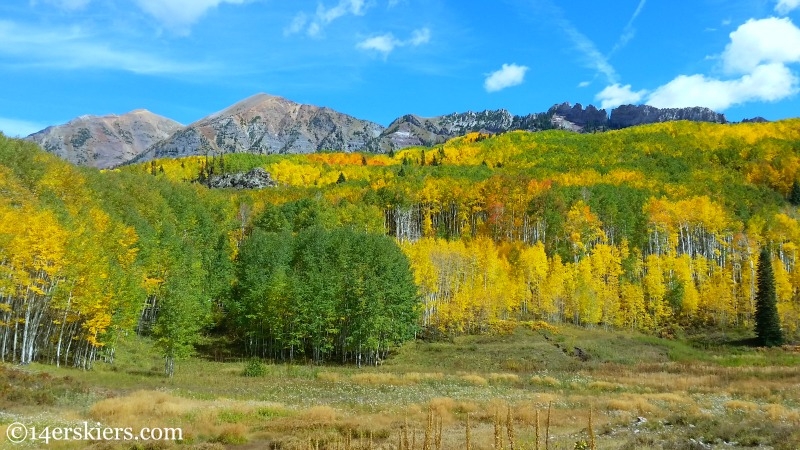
{"x":657,"y":228}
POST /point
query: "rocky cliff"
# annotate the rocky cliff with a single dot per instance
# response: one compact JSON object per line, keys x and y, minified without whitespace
{"x":632,"y":115}
{"x":257,"y":178}
{"x":105,"y":141}
{"x":579,"y":119}
{"x":265,"y":124}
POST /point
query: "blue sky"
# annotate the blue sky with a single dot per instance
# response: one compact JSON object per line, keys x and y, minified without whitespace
{"x":379,"y":59}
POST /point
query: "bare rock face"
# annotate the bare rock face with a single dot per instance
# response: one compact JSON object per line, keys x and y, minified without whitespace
{"x":576,"y":118}
{"x":631,"y":115}
{"x":105,"y":141}
{"x":265,"y":124}
{"x":411,"y":130}
{"x":257,"y":178}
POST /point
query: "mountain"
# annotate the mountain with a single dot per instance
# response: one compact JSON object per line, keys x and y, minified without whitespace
{"x":105,"y":141}
{"x":631,"y":115}
{"x":576,"y":118}
{"x":265,"y":124}
{"x":411,"y":130}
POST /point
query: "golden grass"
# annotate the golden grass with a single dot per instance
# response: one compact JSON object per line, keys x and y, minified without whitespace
{"x":474,"y":379}
{"x":510,"y":378}
{"x":740,"y":406}
{"x":545,"y":380}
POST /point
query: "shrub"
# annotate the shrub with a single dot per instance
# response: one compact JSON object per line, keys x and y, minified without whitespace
{"x":254,"y":368}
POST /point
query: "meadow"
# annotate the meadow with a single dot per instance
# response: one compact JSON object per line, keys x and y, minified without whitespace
{"x":546,"y":388}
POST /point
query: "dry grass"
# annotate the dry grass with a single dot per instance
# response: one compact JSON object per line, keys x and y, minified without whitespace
{"x":509,"y":378}
{"x":545,"y":380}
{"x":306,"y":408}
{"x":474,"y":379}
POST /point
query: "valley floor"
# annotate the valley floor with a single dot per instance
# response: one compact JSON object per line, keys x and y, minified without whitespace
{"x":641,"y":393}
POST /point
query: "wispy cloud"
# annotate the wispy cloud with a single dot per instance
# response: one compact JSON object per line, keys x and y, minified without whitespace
{"x":315,"y":24}
{"x":179,"y":15}
{"x":595,"y":59}
{"x":386,"y":43}
{"x":509,"y":75}
{"x":629,"y":32}
{"x":787,"y":6}
{"x":74,"y":48}
{"x":18,"y":128}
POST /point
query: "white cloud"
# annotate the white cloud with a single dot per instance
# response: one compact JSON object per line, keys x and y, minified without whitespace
{"x":584,"y":84}
{"x":325,"y":16}
{"x":386,"y":43}
{"x":761,"y":41}
{"x":18,"y":128}
{"x":73,"y":48}
{"x":616,"y":94}
{"x":180,"y":15}
{"x":768,"y":82}
{"x":787,"y":6}
{"x":756,"y":60}
{"x":509,"y":75}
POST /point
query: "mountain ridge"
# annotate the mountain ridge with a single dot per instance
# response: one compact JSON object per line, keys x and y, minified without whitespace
{"x":105,"y":141}
{"x":269,"y":124}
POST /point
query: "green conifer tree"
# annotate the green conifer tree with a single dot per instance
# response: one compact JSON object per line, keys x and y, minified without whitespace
{"x":768,"y":326}
{"x":794,"y":194}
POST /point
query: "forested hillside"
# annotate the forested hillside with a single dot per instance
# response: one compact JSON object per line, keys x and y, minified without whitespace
{"x":656,"y":228}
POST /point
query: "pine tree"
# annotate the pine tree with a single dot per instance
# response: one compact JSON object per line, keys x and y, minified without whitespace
{"x":794,"y":194}
{"x":768,"y":327}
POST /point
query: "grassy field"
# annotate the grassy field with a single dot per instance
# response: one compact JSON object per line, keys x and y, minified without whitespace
{"x":641,"y":392}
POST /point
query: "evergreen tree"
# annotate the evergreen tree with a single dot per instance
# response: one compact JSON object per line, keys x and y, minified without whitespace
{"x":341,"y":178}
{"x":794,"y":194}
{"x":768,"y":326}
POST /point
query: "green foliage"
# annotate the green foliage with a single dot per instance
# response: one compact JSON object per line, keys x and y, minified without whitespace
{"x":322,"y":294}
{"x":254,"y":368}
{"x":794,"y":194}
{"x":768,"y":324}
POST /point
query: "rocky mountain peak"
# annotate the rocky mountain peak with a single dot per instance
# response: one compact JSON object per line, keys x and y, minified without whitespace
{"x":266,"y":124}
{"x":105,"y":141}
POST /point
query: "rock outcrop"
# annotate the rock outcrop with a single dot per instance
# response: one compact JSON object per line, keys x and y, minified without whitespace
{"x":105,"y":141}
{"x":631,"y":115}
{"x":411,"y":130}
{"x":579,"y":119}
{"x":757,"y":119}
{"x":257,"y":178}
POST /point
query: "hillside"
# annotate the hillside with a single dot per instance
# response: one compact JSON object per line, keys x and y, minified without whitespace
{"x":656,"y":228}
